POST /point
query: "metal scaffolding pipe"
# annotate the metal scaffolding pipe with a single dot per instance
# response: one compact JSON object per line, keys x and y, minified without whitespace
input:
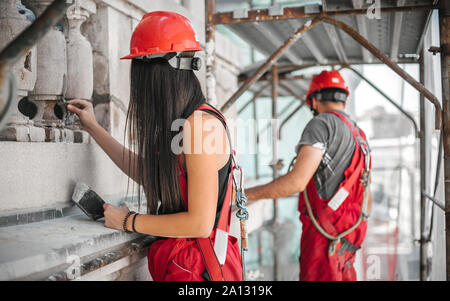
{"x":281,"y":78}
{"x":289,"y":89}
{"x":434,"y":200}
{"x":210,"y":52}
{"x":256,"y":159}
{"x":444,"y":24}
{"x":282,"y":111}
{"x":395,"y":67}
{"x":422,"y":161}
{"x":270,"y":61}
{"x":20,"y":46}
{"x":275,"y":132}
{"x":261,"y":15}
{"x":255,"y":96}
{"x":388,"y":98}
{"x":275,"y":156}
{"x":288,"y":118}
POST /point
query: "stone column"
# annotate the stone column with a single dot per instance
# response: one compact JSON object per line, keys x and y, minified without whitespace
{"x":12,"y":23}
{"x":51,"y":73}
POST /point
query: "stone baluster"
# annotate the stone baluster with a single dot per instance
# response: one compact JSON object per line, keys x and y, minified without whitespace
{"x":12,"y":23}
{"x":51,"y":73}
{"x":80,"y":73}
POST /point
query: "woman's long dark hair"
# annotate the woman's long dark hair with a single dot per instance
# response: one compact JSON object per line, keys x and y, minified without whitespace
{"x":159,"y":95}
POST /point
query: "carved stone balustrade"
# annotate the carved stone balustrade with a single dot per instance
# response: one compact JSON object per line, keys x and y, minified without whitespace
{"x":12,"y":23}
{"x":51,"y":74}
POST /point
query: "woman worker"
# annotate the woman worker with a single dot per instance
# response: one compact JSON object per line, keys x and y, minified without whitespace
{"x":188,"y":192}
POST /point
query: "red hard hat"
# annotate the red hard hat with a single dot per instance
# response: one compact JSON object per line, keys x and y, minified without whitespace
{"x":162,"y":32}
{"x":326,"y":79}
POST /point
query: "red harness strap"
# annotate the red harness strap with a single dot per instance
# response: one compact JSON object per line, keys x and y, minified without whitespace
{"x":356,"y":167}
{"x":213,"y":257}
{"x":323,"y":213}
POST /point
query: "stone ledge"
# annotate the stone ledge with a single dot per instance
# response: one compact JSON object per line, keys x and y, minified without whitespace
{"x":45,"y":250}
{"x":31,"y":133}
{"x":38,"y":250}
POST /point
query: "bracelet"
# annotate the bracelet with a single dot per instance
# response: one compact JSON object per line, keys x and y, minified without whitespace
{"x":134,"y":218}
{"x":125,"y":221}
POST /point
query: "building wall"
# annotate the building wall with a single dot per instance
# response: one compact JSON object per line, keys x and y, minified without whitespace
{"x":43,"y":159}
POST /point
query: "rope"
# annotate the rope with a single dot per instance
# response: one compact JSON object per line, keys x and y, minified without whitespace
{"x":242,"y":213}
{"x":241,"y":201}
{"x":336,"y":239}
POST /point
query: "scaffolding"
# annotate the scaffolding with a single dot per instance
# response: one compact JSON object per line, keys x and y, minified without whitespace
{"x":275,"y":31}
{"x":321,"y":48}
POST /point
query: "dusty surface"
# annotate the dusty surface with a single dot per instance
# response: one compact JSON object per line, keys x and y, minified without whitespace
{"x":36,"y":247}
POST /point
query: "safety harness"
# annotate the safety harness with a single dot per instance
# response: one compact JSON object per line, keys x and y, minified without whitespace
{"x":361,"y":176}
{"x":215,"y":255}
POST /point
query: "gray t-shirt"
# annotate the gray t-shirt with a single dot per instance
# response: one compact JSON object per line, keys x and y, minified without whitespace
{"x":330,"y":134}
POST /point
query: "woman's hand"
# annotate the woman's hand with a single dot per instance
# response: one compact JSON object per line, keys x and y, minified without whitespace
{"x":114,"y":216}
{"x":85,"y":111}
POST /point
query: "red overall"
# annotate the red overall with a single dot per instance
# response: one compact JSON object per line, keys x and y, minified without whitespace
{"x":315,"y":261}
{"x":195,"y":259}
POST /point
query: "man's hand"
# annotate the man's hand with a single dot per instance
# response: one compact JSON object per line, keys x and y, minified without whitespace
{"x":308,"y":160}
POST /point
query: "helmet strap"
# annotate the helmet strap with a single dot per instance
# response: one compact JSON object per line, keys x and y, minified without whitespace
{"x":185,"y":63}
{"x":313,"y":111}
{"x":330,"y":96}
{"x":182,"y":60}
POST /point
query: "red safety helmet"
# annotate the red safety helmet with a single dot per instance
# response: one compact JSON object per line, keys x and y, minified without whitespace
{"x":162,"y":32}
{"x":326,"y":79}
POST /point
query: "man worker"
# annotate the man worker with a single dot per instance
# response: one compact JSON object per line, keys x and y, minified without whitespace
{"x":332,"y":175}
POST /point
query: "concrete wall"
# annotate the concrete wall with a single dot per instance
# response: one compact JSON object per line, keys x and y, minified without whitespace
{"x":37,"y":178}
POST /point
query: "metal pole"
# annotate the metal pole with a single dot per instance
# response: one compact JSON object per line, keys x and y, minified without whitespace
{"x":287,"y":88}
{"x":30,"y":36}
{"x":268,"y":125}
{"x":260,"y":15}
{"x":275,"y":159}
{"x":286,"y":68}
{"x":444,"y":24}
{"x":386,"y":60}
{"x":281,"y":77}
{"x":270,"y":61}
{"x":288,"y":118}
{"x":423,"y":169}
{"x":388,"y":98}
{"x":435,"y":201}
{"x":255,"y":96}
{"x":255,"y":119}
{"x":210,"y":52}
{"x":20,"y":46}
{"x":275,"y":132}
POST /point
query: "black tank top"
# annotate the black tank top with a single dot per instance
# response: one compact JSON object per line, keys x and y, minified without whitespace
{"x":223,"y":173}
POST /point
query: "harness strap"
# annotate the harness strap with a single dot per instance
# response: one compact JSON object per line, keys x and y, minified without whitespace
{"x":326,"y":228}
{"x":212,"y":264}
{"x":215,"y":257}
{"x":344,"y":191}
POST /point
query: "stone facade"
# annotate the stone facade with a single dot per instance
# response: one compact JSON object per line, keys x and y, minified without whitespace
{"x":45,"y":152}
